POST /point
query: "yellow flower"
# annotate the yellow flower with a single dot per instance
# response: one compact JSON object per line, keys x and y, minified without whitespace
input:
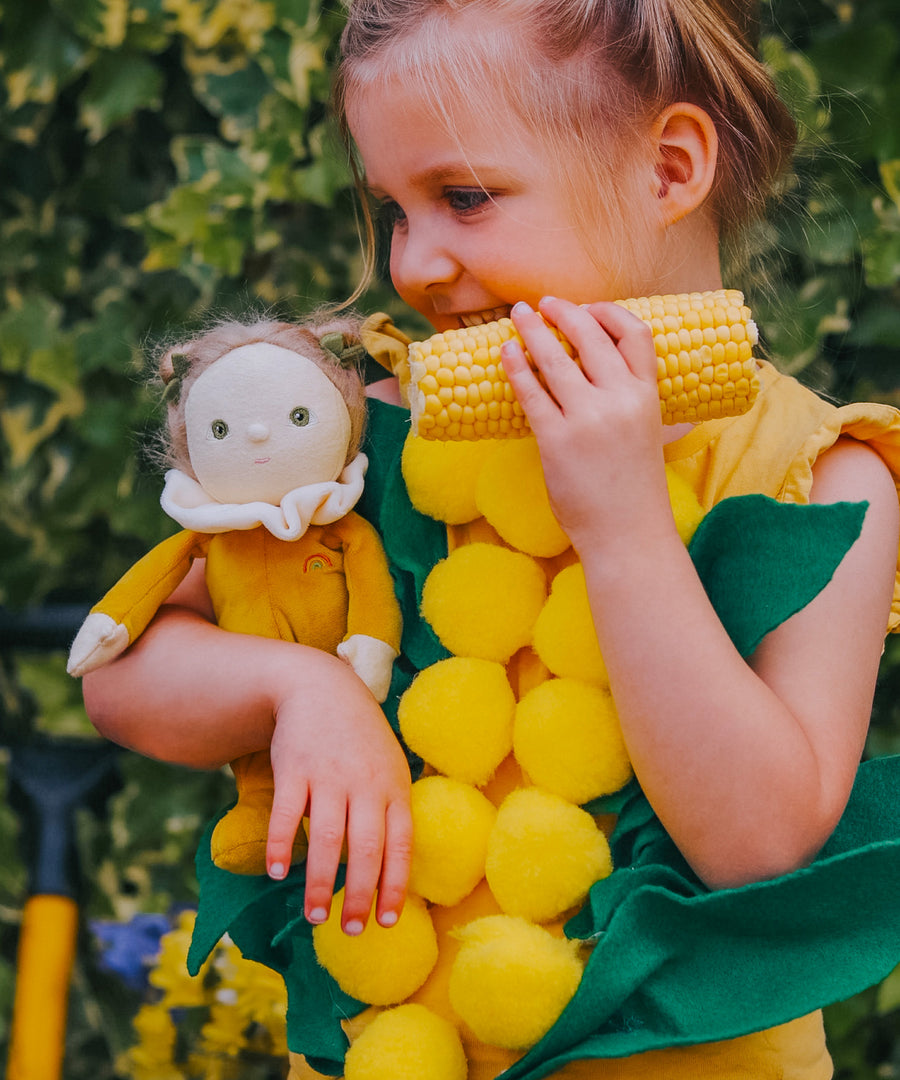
{"x":171,"y":975}
{"x":151,"y":1057}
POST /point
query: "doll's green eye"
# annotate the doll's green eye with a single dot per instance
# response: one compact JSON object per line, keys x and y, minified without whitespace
{"x":219,"y":429}
{"x":300,"y":416}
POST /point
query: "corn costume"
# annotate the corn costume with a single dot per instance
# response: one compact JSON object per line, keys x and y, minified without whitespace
{"x":639,"y":964}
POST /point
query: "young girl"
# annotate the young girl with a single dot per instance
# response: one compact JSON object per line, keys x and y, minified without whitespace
{"x":550,"y":156}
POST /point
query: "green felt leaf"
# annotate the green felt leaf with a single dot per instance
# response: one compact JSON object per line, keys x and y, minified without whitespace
{"x":265,"y":920}
{"x":762,"y":561}
{"x":662,"y":970}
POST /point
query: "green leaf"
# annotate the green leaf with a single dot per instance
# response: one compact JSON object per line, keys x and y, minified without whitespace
{"x":120,"y":83}
{"x":40,"y":55}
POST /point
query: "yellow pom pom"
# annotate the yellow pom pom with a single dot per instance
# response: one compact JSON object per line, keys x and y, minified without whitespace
{"x":407,"y":1043}
{"x":512,"y":979}
{"x":441,"y":477}
{"x":564,"y":635}
{"x":458,"y":716}
{"x":686,"y":506}
{"x":568,"y":739}
{"x":380,"y":966}
{"x":451,"y":825}
{"x":483,"y":600}
{"x":512,"y":495}
{"x":543,"y":855}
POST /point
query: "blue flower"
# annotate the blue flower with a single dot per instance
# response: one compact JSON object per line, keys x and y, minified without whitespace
{"x":128,"y":949}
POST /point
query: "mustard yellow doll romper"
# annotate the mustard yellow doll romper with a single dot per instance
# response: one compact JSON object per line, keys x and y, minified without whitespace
{"x":731,"y":982}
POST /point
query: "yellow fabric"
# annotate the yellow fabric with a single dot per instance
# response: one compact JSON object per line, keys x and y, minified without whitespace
{"x":329,"y":584}
{"x":793,"y":1051}
{"x":389,"y":347}
{"x":137,"y":595}
{"x":771,"y":450}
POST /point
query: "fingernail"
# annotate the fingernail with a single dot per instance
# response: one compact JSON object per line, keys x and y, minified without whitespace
{"x":521,"y":308}
{"x":547,"y":299}
{"x":317,"y":915}
{"x":389,"y":918}
{"x":353,"y":927}
{"x":277,"y":871}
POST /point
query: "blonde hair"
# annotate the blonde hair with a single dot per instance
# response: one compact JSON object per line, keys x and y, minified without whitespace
{"x":583,"y":76}
{"x":182,"y":364}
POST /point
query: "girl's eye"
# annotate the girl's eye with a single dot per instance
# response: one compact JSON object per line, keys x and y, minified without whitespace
{"x":300,"y":416}
{"x":391,"y":213}
{"x":467,"y":200}
{"x":219,"y":429}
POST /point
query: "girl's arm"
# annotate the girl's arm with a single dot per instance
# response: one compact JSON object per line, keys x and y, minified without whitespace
{"x":748,"y":766}
{"x":190,"y":693}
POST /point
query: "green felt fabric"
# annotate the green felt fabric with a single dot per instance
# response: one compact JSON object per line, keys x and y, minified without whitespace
{"x":761,"y":561}
{"x":265,"y":921}
{"x":413,"y":542}
{"x":675,"y":964}
{"x":672,"y":962}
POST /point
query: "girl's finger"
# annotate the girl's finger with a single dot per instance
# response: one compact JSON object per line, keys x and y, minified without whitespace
{"x":533,"y":398}
{"x":598,"y":355}
{"x":632,"y":337}
{"x":327,"y":822}
{"x":398,"y":843}
{"x":560,"y":375}
{"x":365,"y":851}
{"x":288,"y":807}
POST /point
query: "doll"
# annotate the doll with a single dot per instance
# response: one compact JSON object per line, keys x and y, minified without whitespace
{"x":264,"y":427}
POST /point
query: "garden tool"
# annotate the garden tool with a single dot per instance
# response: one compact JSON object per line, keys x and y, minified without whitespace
{"x":49,"y":781}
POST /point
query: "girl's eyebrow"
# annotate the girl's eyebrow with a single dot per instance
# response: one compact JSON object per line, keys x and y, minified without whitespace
{"x":434,"y":176}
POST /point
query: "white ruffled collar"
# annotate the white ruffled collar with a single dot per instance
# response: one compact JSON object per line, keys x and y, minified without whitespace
{"x":185,"y":500}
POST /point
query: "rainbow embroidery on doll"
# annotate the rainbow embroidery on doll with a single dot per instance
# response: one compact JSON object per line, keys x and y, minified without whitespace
{"x":318,"y":561}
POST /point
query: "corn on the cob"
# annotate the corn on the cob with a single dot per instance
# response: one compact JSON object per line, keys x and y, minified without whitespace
{"x":704,"y":348}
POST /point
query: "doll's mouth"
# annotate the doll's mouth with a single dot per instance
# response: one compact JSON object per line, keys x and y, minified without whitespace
{"x":261,"y":460}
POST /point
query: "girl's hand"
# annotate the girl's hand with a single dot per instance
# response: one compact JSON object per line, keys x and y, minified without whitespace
{"x":334,"y":754}
{"x":598,"y":426}
{"x":193,"y":694}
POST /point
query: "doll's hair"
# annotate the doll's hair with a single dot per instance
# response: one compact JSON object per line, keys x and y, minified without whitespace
{"x":182,"y":364}
{"x":583,"y":76}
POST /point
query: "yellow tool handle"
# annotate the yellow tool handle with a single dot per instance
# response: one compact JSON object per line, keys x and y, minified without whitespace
{"x":43,"y":970}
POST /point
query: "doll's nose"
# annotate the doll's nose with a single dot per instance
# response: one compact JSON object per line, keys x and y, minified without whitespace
{"x":257,"y":432}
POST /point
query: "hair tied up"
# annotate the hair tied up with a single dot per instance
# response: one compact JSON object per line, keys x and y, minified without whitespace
{"x":181,"y":365}
{"x":348,"y":356}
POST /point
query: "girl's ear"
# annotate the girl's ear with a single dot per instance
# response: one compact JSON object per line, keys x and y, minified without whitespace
{"x":686,"y":153}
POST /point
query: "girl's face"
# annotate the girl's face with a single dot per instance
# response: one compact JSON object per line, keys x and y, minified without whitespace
{"x":262,"y":421}
{"x":476,"y":227}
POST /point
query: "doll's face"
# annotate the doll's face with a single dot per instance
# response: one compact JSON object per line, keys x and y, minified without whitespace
{"x":262,"y":421}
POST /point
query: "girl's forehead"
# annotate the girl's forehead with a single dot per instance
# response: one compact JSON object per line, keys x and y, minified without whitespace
{"x":399,"y":129}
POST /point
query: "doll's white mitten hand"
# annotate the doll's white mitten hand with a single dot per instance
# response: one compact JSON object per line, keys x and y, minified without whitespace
{"x":99,"y":640}
{"x":372,"y":660}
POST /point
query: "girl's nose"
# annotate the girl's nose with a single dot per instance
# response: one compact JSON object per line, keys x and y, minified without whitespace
{"x":257,"y":432}
{"x":420,"y":258}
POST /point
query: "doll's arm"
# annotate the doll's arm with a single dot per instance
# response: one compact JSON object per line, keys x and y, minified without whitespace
{"x":373,"y":616}
{"x":126,"y":610}
{"x":190,"y":693}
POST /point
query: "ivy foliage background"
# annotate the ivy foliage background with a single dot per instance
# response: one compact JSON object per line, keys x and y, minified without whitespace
{"x":159,"y":158}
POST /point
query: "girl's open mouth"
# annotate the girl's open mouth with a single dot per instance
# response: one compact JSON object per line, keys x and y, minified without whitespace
{"x":477,"y":318}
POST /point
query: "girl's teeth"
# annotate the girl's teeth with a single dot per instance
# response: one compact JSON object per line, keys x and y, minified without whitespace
{"x":478,"y":317}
